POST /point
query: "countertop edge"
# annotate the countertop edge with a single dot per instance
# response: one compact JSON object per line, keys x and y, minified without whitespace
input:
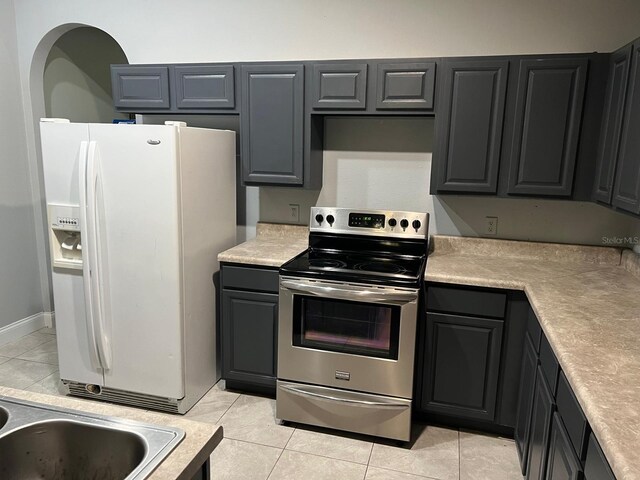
{"x":201,"y":457}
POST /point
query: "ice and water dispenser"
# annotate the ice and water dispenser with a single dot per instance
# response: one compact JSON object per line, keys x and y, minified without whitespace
{"x":65,"y":237}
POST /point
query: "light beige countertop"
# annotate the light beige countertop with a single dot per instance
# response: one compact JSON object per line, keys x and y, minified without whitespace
{"x":274,"y":245}
{"x":587,"y":300}
{"x":182,"y":463}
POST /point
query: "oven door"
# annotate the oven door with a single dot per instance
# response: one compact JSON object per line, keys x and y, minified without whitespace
{"x":352,"y":336}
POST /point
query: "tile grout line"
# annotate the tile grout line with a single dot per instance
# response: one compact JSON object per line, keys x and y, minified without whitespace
{"x":459,"y":457}
{"x":274,"y":464}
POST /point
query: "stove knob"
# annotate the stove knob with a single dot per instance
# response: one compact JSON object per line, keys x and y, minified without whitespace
{"x":404,"y":223}
{"x":330,"y":219}
{"x":392,"y":222}
{"x":319,"y":218}
{"x":416,"y":224}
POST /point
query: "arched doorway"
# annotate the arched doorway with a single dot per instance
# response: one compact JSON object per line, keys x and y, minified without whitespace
{"x":76,"y":78}
{"x":82,"y":56}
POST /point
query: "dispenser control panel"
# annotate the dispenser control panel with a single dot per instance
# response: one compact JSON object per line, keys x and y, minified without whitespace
{"x":64,"y":217}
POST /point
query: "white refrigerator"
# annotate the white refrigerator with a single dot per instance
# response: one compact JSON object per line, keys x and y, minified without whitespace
{"x":137,"y":216}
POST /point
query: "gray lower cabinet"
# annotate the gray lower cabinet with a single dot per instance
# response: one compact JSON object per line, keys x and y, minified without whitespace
{"x":272,"y":124}
{"x":140,"y":87}
{"x":541,"y":414}
{"x":596,"y":466}
{"x":612,"y":125}
{"x":249,"y":325}
{"x":626,"y":194}
{"x":405,"y":86}
{"x":204,"y":86}
{"x":527,"y":387}
{"x":463,"y":366}
{"x":547,"y":119}
{"x":562,"y":463}
{"x":339,"y":86}
{"x":471,"y":103}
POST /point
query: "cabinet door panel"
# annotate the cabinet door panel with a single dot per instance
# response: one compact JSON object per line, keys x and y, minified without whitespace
{"x":340,"y":86}
{"x":562,"y":462}
{"x":527,"y":384}
{"x":462,"y":366}
{"x":249,"y":327}
{"x":627,"y":184}
{"x":543,"y":407}
{"x":204,"y":86}
{"x":596,"y":466}
{"x":547,"y":120}
{"x":469,"y":125}
{"x":271,"y":124}
{"x":140,"y":87}
{"x":405,"y":86}
{"x":612,"y":124}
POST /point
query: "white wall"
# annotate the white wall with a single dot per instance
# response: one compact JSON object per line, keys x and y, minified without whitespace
{"x":77,"y":80}
{"x":20,"y":294}
{"x":219,"y":30}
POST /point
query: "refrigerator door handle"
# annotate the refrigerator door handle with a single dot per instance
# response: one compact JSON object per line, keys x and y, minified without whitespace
{"x":86,"y":260}
{"x":99,"y":276}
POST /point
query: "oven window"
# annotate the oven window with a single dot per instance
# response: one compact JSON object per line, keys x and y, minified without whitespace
{"x":348,"y":327}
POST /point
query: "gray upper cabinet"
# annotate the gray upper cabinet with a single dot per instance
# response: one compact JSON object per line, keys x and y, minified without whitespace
{"x":271,"y":123}
{"x":204,"y":86}
{"x":626,"y":194}
{"x":405,"y":86}
{"x":140,"y":87}
{"x":612,"y":124}
{"x":339,"y":86}
{"x":548,"y":113}
{"x":469,"y":125}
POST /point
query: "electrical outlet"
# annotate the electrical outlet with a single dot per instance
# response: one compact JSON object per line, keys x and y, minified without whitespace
{"x":491,"y":226}
{"x":294,"y":212}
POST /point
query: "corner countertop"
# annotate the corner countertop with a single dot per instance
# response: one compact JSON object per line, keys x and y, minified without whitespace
{"x":274,"y":245}
{"x":181,"y":464}
{"x":588,"y":303}
{"x":586,"y":299}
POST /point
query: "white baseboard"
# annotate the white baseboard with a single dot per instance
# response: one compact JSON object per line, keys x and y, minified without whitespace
{"x":23,"y":327}
{"x":49,"y":319}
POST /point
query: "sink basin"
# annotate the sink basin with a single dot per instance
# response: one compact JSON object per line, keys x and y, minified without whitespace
{"x":67,"y":449}
{"x":54,"y":443}
{"x":4,"y":416}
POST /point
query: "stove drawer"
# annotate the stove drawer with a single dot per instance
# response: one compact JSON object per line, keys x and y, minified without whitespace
{"x":377,"y":415}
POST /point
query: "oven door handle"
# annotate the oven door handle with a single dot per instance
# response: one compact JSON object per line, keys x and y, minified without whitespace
{"x":350,"y":293}
{"x":301,"y":392}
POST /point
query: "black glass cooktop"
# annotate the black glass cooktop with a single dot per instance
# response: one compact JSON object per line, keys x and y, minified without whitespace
{"x":364,"y":267}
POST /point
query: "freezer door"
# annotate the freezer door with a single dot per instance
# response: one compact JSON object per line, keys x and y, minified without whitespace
{"x":135,"y":218}
{"x":61,"y":157}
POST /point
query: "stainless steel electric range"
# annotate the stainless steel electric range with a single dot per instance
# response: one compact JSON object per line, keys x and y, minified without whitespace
{"x":347,"y":322}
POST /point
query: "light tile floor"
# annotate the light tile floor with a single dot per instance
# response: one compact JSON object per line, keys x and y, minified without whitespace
{"x":256,"y":448}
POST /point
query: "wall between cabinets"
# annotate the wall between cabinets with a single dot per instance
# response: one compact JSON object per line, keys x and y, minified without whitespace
{"x":386,"y":163}
{"x":218,"y":31}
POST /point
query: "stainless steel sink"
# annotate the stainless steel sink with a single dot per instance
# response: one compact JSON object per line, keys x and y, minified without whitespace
{"x":39,"y":441}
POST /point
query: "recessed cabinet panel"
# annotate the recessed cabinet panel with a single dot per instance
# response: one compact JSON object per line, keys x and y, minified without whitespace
{"x":547,"y":120}
{"x":249,"y":328}
{"x":612,"y":124}
{"x":527,"y":384}
{"x":627,"y":184}
{"x":339,"y":86}
{"x":596,"y":466}
{"x":271,"y":124}
{"x":405,"y":85}
{"x":463,"y":366}
{"x":541,"y":414}
{"x":562,"y":463}
{"x":204,"y":86}
{"x":469,"y":125}
{"x":140,"y":87}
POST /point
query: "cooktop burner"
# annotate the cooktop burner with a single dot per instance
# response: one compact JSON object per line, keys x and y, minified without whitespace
{"x":380,"y":267}
{"x":326,"y":263}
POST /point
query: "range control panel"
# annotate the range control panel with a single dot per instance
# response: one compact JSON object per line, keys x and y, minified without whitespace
{"x":370,"y":222}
